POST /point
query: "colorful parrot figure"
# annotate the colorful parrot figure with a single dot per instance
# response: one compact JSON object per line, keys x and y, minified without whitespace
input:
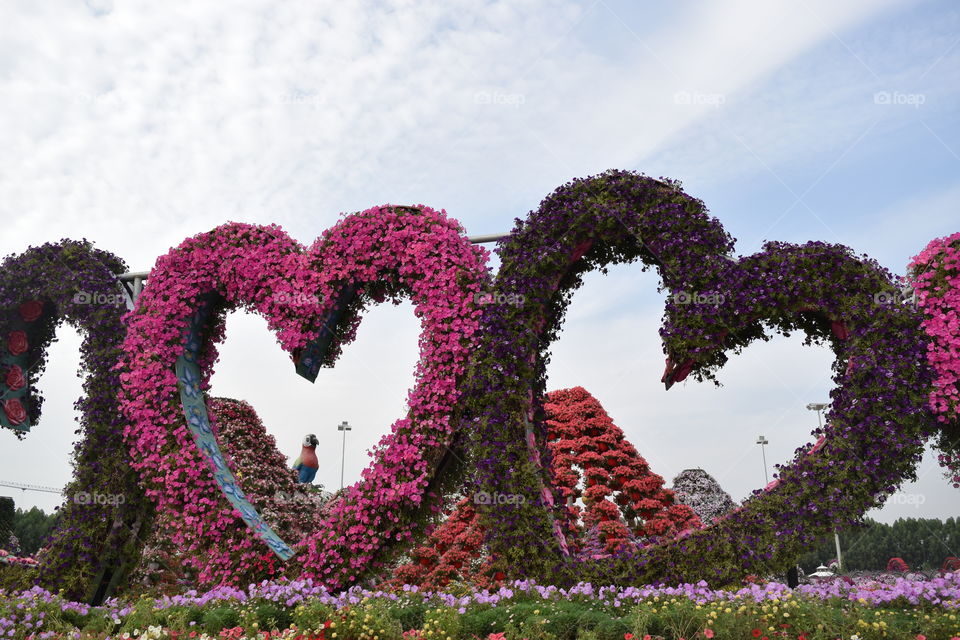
{"x":306,"y":464}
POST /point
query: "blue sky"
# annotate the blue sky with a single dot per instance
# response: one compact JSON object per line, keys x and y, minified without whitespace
{"x":138,"y":124}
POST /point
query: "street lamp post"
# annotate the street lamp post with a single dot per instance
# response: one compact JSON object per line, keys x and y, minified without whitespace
{"x":764,"y":442}
{"x":819,"y":407}
{"x":343,"y":426}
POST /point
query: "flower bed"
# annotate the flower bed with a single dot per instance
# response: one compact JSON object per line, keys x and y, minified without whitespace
{"x":867,"y":609}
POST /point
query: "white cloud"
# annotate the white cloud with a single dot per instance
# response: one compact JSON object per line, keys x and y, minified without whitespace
{"x":137,"y":125}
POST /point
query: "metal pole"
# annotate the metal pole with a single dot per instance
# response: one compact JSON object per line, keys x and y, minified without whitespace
{"x":763,"y":442}
{"x":819,"y":407}
{"x":836,"y":540}
{"x":343,"y":426}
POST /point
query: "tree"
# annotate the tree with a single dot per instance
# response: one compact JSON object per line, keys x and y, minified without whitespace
{"x":8,"y":539}
{"x":32,"y":528}
{"x":921,"y":543}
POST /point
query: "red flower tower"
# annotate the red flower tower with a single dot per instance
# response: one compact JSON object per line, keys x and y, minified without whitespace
{"x":591,"y":463}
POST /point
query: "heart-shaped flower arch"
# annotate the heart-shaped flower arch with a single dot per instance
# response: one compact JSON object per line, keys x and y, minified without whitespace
{"x":935,"y":276}
{"x":879,"y":410}
{"x":312,"y":299}
{"x":96,"y":541}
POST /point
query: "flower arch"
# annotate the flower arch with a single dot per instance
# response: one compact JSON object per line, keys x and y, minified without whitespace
{"x":313,"y":299}
{"x":718,"y":304}
{"x":105,"y":512}
{"x":935,"y":276}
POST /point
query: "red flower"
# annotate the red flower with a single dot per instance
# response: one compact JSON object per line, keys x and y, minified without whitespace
{"x":628,"y":636}
{"x":756,"y":633}
{"x":15,"y":379}
{"x":17,"y":342}
{"x":31,"y":310}
{"x":14,"y":410}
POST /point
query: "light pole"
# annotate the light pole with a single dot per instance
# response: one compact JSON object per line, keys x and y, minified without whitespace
{"x":764,"y":442}
{"x":343,"y":426}
{"x":819,"y":407}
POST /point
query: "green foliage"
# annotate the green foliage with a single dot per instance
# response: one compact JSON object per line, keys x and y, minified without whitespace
{"x":412,"y":615}
{"x":179,"y":618}
{"x":216,"y":620}
{"x":312,"y":615}
{"x":32,"y":528}
{"x":371,"y":620}
{"x":266,"y":615}
{"x":923,"y":543}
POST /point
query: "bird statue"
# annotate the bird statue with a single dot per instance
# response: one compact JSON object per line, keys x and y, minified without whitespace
{"x":306,"y":464}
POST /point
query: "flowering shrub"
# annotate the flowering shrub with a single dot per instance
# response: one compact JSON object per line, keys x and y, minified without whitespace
{"x":935,"y":277}
{"x":877,"y":421}
{"x":95,"y":544}
{"x":701,"y":492}
{"x":378,"y":254}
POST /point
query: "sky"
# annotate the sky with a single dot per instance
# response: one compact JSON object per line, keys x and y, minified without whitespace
{"x":136,"y":125}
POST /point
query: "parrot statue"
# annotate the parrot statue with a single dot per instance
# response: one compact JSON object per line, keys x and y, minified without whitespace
{"x":306,"y":464}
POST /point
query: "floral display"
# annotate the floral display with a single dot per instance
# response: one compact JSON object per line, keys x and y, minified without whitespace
{"x":96,"y":543}
{"x":487,"y":488}
{"x":935,"y":277}
{"x":6,"y":557}
{"x":382,"y":253}
{"x":453,"y":552}
{"x":701,"y":492}
{"x":251,"y":453}
{"x":912,"y":606}
{"x":718,"y":304}
{"x":592,"y":462}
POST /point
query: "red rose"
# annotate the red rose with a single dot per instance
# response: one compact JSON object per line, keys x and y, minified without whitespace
{"x":31,"y":310}
{"x":17,"y":342}
{"x":16,"y":414}
{"x":15,"y":379}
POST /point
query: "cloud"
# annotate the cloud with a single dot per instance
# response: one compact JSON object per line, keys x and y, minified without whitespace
{"x":139,"y":125}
